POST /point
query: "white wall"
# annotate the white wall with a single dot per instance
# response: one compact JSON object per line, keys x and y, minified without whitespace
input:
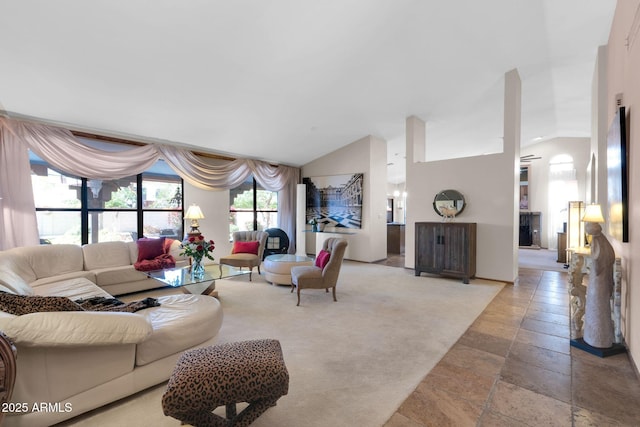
{"x":483,"y":182}
{"x":623,"y":69}
{"x":368,"y":156}
{"x":490,"y":187}
{"x":599,"y":129}
{"x":215,"y":207}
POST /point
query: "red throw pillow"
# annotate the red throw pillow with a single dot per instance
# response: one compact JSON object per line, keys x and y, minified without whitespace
{"x":150,"y":248}
{"x":323,"y":258}
{"x":167,"y":245}
{"x":250,"y":247}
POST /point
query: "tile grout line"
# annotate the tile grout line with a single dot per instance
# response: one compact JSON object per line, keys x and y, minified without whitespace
{"x":486,"y":406}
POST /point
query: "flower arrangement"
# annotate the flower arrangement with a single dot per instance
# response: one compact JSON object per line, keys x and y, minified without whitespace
{"x":198,"y":248}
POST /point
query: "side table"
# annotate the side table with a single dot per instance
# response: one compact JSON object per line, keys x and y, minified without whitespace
{"x":277,"y":267}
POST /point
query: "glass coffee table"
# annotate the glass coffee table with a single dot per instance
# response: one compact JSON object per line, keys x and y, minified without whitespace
{"x":180,"y":277}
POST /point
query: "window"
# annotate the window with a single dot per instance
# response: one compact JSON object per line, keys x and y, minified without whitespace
{"x":79,"y":210}
{"x":251,"y":207}
{"x":563,"y":188}
{"x":58,"y":204}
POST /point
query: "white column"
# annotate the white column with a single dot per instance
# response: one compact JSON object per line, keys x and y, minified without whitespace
{"x":301,"y":203}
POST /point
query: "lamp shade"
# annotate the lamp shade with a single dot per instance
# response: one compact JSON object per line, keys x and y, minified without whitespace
{"x":194,"y":212}
{"x":593,"y":213}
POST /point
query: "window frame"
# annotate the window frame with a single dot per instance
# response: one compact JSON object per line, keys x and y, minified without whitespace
{"x":255,"y":211}
{"x":85,"y":211}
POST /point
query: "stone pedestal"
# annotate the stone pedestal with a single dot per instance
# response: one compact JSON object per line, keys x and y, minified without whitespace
{"x":580,"y":265}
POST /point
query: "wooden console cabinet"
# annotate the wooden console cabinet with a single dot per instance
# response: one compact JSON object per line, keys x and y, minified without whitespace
{"x":446,"y":248}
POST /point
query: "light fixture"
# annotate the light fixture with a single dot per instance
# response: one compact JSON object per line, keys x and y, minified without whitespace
{"x":194,"y":213}
{"x":592,"y":214}
{"x":575,"y":226}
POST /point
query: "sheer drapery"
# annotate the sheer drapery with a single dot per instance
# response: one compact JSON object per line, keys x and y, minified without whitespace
{"x":63,"y":151}
{"x":18,"y":226}
{"x":199,"y":173}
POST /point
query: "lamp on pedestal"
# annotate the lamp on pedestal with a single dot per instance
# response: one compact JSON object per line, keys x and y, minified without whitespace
{"x":592,"y":214}
{"x":194,"y":213}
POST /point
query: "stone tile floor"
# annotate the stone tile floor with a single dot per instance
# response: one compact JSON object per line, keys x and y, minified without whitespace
{"x":514,"y":367}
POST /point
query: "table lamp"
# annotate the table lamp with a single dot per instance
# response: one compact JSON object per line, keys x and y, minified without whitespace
{"x":194,"y":213}
{"x":593,"y":215}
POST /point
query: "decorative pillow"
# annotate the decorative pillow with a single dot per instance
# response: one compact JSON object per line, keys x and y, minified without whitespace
{"x":250,"y":247}
{"x":167,"y":245}
{"x":323,"y":258}
{"x":150,"y":248}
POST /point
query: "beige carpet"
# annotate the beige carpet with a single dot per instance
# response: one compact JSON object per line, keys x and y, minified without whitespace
{"x":351,"y":362}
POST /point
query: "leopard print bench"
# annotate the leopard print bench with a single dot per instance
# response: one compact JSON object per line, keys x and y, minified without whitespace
{"x":206,"y":378}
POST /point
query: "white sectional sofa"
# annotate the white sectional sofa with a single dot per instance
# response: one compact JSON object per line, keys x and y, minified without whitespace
{"x":75,"y":361}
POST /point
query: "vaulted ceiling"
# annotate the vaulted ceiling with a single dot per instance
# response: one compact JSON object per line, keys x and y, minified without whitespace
{"x":291,"y":80}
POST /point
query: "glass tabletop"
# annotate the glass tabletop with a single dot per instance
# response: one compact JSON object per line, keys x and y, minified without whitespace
{"x":181,"y":276}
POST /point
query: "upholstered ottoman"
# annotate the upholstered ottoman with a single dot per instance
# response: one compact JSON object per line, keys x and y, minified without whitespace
{"x":206,"y":378}
{"x":277,"y":267}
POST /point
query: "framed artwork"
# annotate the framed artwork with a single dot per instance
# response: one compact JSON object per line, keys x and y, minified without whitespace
{"x":334,"y":200}
{"x":524,"y":188}
{"x":617,"y":178}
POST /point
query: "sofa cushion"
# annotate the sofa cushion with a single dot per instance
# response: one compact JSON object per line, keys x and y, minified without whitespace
{"x":7,"y":290}
{"x":52,"y":260}
{"x":114,"y":275}
{"x":150,"y":248}
{"x":72,"y":288}
{"x":13,"y":282}
{"x":200,"y":315}
{"x":105,"y":254}
{"x":13,"y":264}
{"x":88,"y":275}
{"x":77,"y":328}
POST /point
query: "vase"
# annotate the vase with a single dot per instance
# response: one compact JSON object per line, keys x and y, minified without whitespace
{"x":197,"y":269}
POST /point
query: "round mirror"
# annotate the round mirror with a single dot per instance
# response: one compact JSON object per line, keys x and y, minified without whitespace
{"x":448,"y":203}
